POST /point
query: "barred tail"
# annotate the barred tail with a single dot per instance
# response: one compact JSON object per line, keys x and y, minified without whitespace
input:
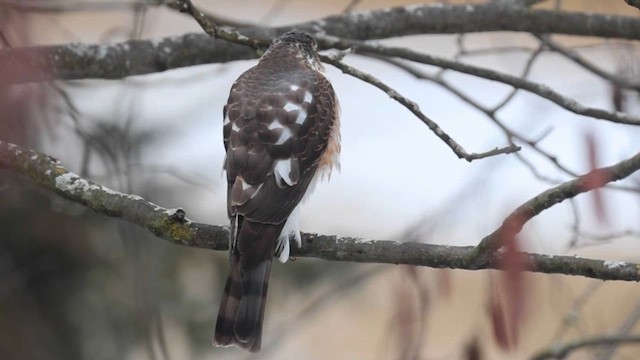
{"x":255,"y":284}
{"x":242,"y":308}
{"x":224,"y":335}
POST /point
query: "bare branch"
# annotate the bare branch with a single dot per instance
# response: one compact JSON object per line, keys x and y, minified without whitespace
{"x":118,"y":60}
{"x":173,"y":226}
{"x":576,"y":58}
{"x":413,"y":107}
{"x":510,"y":133}
{"x":468,"y":18}
{"x":517,"y":82}
{"x":220,"y":20}
{"x":165,"y":223}
{"x":212,"y":29}
{"x":525,"y":73}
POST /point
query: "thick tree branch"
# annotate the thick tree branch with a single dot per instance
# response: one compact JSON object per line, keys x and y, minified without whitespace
{"x":136,"y":57}
{"x":117,"y":60}
{"x":37,"y":69}
{"x":172,"y":225}
{"x":169,"y":224}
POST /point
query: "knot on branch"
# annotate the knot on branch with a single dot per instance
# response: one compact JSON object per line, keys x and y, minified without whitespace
{"x":184,"y":6}
{"x":177,"y":215}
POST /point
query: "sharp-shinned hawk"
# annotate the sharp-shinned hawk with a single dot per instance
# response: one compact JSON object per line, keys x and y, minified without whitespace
{"x":280,"y":134}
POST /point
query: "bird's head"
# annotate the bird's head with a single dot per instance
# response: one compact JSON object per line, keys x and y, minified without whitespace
{"x":296,"y":44}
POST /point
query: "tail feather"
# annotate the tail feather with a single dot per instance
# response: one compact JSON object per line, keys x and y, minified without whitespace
{"x":241,"y":312}
{"x":224,"y":335}
{"x":248,"y":326}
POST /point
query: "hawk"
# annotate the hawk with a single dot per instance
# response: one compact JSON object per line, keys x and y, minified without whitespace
{"x":280,"y":135}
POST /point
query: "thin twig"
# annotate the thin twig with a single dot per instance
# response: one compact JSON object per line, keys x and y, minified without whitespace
{"x":510,"y":133}
{"x":413,"y":107}
{"x":525,"y":72}
{"x":575,"y":227}
{"x":212,"y":29}
{"x":517,"y":82}
{"x":574,"y":56}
